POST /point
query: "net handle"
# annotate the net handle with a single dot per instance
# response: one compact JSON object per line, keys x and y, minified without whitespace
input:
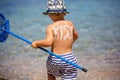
{"x":49,"y":52}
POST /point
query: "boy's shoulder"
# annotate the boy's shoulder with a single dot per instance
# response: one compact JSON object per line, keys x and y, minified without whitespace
{"x":60,"y":22}
{"x":64,"y":22}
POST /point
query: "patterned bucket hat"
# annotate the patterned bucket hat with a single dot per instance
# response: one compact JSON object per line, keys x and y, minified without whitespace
{"x":55,"y":6}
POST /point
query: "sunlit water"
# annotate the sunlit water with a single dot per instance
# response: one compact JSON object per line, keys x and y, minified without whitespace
{"x":97,"y":21}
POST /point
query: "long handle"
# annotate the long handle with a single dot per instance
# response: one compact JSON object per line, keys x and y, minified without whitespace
{"x":49,"y":52}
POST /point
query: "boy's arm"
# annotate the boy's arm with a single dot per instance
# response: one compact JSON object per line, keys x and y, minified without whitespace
{"x":45,"y":42}
{"x":75,"y":35}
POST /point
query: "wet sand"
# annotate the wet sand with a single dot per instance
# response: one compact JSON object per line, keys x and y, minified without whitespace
{"x":100,"y":67}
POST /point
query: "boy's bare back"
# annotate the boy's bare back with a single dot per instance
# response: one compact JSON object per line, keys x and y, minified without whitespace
{"x":64,"y":35}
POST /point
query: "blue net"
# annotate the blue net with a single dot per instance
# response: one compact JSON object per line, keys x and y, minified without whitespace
{"x":4,"y":25}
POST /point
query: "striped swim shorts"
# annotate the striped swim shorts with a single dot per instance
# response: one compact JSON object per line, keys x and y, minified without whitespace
{"x":59,"y":68}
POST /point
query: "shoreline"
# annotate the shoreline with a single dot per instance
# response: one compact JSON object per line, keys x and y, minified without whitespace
{"x":100,"y":67}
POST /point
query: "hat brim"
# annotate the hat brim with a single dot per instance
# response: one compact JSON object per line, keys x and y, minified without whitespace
{"x":55,"y":11}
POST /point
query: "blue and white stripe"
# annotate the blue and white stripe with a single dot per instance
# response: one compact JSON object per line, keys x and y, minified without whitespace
{"x":57,"y":67}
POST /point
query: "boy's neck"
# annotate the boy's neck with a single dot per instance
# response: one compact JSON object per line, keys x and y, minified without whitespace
{"x":58,"y":20}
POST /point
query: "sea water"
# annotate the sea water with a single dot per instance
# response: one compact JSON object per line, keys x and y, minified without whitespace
{"x":97,"y":49}
{"x":97,"y":22}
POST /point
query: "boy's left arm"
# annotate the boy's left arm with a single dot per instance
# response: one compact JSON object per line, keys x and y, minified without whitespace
{"x":48,"y":41}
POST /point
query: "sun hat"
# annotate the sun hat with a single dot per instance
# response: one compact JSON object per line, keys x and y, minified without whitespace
{"x":55,"y":6}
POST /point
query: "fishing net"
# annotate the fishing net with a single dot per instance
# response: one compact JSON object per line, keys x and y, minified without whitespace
{"x":4,"y":25}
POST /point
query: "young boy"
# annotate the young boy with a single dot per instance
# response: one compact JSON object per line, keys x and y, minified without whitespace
{"x":60,"y":35}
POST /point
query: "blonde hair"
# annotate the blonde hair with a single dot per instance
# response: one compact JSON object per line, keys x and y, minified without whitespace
{"x":58,"y":15}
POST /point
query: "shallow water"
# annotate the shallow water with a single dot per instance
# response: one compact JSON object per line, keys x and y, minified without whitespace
{"x":97,"y":21}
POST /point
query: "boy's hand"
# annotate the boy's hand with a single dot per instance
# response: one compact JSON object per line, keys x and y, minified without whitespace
{"x":34,"y":44}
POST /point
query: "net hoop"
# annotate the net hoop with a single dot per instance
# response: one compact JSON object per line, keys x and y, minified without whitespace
{"x":4,"y":25}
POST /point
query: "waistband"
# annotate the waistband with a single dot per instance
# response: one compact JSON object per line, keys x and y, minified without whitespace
{"x":65,"y":53}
